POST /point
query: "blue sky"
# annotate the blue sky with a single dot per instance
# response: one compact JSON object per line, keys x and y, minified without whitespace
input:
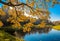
{"x":54,"y":12}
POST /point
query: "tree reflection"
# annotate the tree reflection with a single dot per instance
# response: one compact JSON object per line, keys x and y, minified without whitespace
{"x":34,"y":30}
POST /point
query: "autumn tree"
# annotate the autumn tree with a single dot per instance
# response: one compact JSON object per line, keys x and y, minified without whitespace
{"x":31,"y":10}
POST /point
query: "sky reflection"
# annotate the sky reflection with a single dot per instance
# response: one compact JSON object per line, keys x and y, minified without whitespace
{"x":53,"y":35}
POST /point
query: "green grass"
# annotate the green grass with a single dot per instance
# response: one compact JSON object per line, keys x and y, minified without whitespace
{"x":56,"y":27}
{"x":7,"y":37}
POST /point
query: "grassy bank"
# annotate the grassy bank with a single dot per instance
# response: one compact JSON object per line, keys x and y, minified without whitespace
{"x":7,"y":37}
{"x":56,"y":27}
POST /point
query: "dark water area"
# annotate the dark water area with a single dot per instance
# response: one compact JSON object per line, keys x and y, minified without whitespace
{"x":43,"y":35}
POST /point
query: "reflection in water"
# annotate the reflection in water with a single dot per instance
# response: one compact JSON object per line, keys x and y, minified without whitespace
{"x":53,"y":35}
{"x":41,"y":30}
{"x":34,"y":30}
{"x":43,"y":34}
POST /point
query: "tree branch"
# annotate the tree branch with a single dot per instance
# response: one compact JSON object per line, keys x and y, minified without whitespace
{"x":10,"y":4}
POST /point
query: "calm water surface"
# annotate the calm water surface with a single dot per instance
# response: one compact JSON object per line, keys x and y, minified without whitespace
{"x":53,"y":35}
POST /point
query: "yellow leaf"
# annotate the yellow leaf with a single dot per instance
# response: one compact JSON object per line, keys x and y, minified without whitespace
{"x":31,"y":4}
{"x":1,"y":24}
{"x":2,"y":13}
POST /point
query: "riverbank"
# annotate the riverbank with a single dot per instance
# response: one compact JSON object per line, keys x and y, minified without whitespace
{"x":4,"y":36}
{"x":56,"y":27}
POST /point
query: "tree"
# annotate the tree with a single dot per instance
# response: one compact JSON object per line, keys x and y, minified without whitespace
{"x":31,"y":10}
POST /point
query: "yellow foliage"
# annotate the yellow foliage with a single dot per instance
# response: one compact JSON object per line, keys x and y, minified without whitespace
{"x":28,"y":25}
{"x":18,"y":39}
{"x":16,"y":15}
{"x":13,"y":1}
{"x":12,"y":13}
{"x":26,"y":29}
{"x":29,"y":29}
{"x":19,"y":19}
{"x":2,"y":13}
{"x":22,"y":17}
{"x":5,"y":6}
{"x":16,"y":25}
{"x":1,"y":24}
{"x":9,"y":19}
{"x":31,"y":4}
{"x":13,"y":21}
{"x":47,"y":0}
{"x":42,"y":24}
{"x":32,"y":20}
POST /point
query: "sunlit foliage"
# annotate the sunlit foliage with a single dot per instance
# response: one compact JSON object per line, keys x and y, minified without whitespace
{"x":1,"y":24}
{"x":42,"y":24}
{"x":2,"y":13}
{"x":31,"y":10}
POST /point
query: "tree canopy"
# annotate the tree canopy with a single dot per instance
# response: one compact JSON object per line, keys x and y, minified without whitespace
{"x":17,"y":11}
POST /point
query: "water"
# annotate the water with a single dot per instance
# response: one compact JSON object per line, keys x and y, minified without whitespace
{"x":51,"y":35}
